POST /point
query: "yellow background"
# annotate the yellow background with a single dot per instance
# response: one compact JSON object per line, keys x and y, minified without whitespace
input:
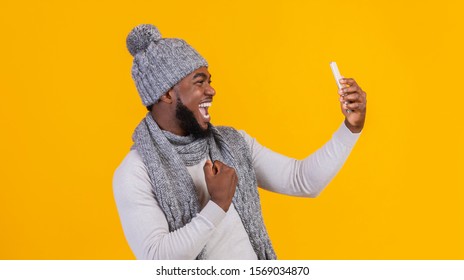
{"x":68,"y":108}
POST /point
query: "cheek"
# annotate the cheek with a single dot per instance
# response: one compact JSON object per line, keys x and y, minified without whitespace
{"x":191,"y":100}
{"x":191,"y":104}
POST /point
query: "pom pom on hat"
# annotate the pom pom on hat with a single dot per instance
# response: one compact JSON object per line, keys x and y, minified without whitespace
{"x":159,"y":63}
{"x":140,"y":38}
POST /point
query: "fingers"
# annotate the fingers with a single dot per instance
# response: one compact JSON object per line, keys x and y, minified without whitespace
{"x":215,"y":168}
{"x":349,"y":86}
{"x":348,"y":82}
{"x":349,"y":90}
{"x":352,"y":96}
{"x":358,"y":104}
{"x":354,"y":106}
{"x":223,"y":168}
{"x":218,"y":166}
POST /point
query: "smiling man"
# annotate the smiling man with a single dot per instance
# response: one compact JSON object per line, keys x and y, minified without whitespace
{"x":193,"y":95}
{"x":188,"y":189}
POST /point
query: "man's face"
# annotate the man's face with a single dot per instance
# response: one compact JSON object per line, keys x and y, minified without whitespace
{"x":194,"y":96}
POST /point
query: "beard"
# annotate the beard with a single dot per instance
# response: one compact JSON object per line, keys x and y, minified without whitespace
{"x":188,"y":122}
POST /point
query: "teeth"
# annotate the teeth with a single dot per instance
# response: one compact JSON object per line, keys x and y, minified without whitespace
{"x":203,"y":105}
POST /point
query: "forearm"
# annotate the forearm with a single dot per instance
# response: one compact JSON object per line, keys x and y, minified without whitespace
{"x":150,"y":238}
{"x":307,"y":177}
{"x":314,"y":173}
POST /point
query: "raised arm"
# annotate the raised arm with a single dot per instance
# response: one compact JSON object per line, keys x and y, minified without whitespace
{"x":308,"y":177}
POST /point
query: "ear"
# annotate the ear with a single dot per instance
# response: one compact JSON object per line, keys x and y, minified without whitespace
{"x":168,"y":97}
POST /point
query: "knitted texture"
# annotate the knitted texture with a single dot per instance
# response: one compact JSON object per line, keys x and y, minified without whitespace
{"x":159,"y":63}
{"x":190,"y":151}
{"x":174,"y":188}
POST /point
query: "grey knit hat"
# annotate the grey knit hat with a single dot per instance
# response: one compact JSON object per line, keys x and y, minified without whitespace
{"x":159,"y":63}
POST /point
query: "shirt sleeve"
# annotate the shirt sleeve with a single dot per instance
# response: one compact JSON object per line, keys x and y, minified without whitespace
{"x":143,"y":221}
{"x":308,"y":177}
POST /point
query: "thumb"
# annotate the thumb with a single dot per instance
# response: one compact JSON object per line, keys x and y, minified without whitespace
{"x":217,"y":166}
{"x":208,"y":168}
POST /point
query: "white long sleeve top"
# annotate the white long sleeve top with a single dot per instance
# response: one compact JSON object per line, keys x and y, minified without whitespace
{"x":146,"y":228}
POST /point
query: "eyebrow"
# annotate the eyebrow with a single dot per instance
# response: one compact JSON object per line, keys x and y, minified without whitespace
{"x":203,"y":75}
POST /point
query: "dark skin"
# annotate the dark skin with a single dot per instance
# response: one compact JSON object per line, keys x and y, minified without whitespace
{"x":195,"y":89}
{"x":192,"y":90}
{"x":353,"y":98}
{"x":221,"y":181}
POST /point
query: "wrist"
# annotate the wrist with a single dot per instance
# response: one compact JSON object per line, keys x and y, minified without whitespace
{"x":354,"y":128}
{"x":222,"y":203}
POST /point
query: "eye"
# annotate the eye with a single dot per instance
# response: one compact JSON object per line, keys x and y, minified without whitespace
{"x":202,"y":82}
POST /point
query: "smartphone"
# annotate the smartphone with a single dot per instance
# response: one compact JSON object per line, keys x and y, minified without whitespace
{"x":337,"y":76}
{"x":336,"y":73}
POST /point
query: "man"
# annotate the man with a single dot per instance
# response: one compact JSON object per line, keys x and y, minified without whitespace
{"x":188,"y":189}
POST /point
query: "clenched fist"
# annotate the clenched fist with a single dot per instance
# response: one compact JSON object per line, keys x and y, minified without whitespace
{"x":221,"y":181}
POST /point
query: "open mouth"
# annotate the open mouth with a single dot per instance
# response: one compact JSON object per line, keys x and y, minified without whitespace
{"x":203,"y":107}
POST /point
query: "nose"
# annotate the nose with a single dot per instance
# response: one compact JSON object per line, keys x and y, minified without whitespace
{"x":210,"y":90}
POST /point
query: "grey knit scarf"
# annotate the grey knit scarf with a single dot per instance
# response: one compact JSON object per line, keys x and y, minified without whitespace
{"x":166,"y":157}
